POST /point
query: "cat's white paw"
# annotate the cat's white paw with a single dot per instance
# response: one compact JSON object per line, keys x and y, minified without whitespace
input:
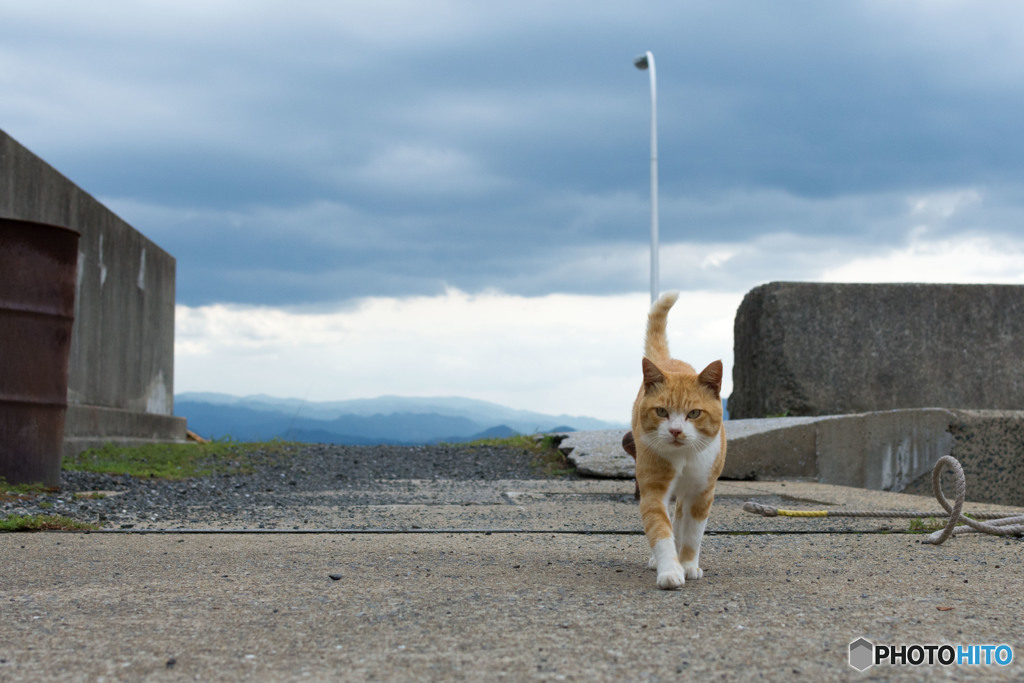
{"x":670,"y":572}
{"x":652,"y":563}
{"x":672,"y":579}
{"x":693,"y":572}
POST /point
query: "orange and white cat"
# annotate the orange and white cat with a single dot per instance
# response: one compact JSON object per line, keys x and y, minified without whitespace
{"x":680,"y":451}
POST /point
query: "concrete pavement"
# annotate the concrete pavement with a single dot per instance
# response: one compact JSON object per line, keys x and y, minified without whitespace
{"x":781,"y":598}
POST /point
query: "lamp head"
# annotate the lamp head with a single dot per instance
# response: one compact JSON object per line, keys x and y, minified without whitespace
{"x":640,"y":62}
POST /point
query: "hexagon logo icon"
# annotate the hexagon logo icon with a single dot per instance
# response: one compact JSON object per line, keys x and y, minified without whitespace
{"x":862,"y":654}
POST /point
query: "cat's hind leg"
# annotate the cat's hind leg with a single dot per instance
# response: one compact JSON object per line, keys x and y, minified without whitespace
{"x":677,"y":523}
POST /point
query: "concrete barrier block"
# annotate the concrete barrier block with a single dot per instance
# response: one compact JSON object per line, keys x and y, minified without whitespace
{"x":826,"y":349}
{"x":990,"y":447}
{"x":122,"y":342}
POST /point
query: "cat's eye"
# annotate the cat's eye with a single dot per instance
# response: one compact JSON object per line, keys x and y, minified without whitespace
{"x":661,"y":412}
{"x":694,"y":414}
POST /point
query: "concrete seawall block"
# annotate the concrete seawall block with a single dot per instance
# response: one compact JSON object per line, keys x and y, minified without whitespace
{"x":122,"y":342}
{"x":828,"y":349}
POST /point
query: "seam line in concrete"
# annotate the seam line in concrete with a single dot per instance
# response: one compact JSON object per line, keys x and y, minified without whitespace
{"x":484,"y":532}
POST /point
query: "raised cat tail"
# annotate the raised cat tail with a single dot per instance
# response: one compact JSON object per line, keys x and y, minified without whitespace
{"x":656,"y":345}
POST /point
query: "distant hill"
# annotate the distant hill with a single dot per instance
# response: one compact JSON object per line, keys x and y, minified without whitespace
{"x":387,"y":420}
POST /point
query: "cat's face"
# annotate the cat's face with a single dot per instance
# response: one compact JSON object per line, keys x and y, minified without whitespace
{"x":680,"y":410}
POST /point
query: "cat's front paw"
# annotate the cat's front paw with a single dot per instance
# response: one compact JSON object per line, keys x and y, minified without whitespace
{"x":693,"y":572}
{"x":670,"y":573}
{"x":652,"y":563}
{"x":671,"y":579}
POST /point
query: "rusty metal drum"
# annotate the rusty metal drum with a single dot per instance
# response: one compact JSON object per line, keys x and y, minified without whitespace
{"x":38,"y":270}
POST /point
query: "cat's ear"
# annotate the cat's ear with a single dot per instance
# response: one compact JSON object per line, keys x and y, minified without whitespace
{"x":711,"y":377}
{"x":652,"y":375}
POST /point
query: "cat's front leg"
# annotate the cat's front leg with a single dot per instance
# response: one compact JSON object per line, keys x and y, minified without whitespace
{"x":658,"y":528}
{"x":671,"y":574}
{"x":690,"y":525}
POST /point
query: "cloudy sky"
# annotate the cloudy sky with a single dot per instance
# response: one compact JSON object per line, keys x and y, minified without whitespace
{"x":452,"y":197}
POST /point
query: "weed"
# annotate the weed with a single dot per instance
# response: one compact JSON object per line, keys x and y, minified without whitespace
{"x":43,"y":523}
{"x":553,"y":463}
{"x":24,"y":489}
{"x":12,"y":492}
{"x":515,"y":441}
{"x":547,"y":459}
{"x":926,"y":525}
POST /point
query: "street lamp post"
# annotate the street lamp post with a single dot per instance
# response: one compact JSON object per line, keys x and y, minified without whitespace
{"x":646,"y":62}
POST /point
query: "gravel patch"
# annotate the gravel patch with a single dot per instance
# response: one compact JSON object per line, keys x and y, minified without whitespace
{"x":282,"y":486}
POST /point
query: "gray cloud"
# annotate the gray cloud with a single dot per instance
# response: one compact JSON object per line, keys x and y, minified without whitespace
{"x":317,"y":152}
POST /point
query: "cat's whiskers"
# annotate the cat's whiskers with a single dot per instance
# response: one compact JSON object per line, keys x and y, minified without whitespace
{"x":675,"y":446}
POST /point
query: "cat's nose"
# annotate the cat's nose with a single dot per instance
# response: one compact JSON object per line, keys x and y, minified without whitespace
{"x":675,"y":432}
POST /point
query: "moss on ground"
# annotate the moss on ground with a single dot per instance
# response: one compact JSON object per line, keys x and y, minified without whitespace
{"x":178,"y":460}
{"x":43,"y":523}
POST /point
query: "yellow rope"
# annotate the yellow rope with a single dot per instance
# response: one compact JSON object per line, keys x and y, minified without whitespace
{"x":803,"y":513}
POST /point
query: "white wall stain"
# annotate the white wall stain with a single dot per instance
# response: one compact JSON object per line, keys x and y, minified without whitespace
{"x":142,"y":270}
{"x":158,"y":402}
{"x":103,"y":267}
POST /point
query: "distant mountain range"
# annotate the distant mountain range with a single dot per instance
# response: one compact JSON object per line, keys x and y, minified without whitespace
{"x":391,"y":420}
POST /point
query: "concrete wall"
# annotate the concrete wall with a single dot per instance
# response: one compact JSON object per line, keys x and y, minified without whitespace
{"x":892,"y":450}
{"x":825,"y":349}
{"x":121,"y":375}
{"x":885,"y":451}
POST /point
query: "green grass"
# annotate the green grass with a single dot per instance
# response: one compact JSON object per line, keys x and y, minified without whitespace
{"x":43,"y":523}
{"x":546,"y":457}
{"x":13,"y":492}
{"x":177,"y":460}
{"x":23,"y":489}
{"x":930,"y":524}
{"x":518,"y":441}
{"x":926,"y":525}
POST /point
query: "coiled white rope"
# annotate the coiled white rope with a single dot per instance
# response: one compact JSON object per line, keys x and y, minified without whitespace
{"x":957,"y":524}
{"x":1004,"y":526}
